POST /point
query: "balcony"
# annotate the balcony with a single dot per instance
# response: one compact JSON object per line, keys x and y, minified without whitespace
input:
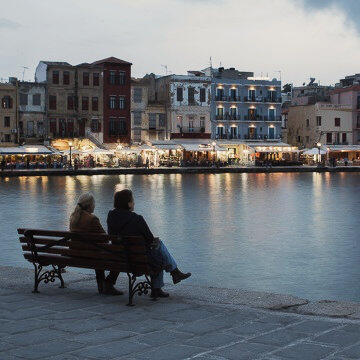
{"x":228,"y":98}
{"x":188,"y":130}
{"x":228,"y":116}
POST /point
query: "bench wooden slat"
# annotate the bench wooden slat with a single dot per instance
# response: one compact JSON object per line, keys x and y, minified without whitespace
{"x":89,"y":263}
{"x":122,"y":257}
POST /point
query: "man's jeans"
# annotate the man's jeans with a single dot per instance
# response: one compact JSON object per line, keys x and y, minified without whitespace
{"x":162,"y":258}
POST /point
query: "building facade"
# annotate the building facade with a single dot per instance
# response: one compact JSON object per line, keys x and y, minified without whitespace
{"x":325,"y":123}
{"x":9,"y":113}
{"x":148,"y":116}
{"x":87,"y":100}
{"x":187,"y":101}
{"x":32,"y":112}
{"x":244,"y":107}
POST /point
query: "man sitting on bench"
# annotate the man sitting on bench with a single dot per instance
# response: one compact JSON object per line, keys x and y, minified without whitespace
{"x":123,"y":221}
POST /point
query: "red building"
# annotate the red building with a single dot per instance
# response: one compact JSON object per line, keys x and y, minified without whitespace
{"x":116,"y":99}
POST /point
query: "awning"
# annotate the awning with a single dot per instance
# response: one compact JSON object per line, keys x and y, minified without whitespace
{"x":343,"y":148}
{"x":167,"y":146}
{"x":314,"y":151}
{"x":201,"y":147}
{"x":26,"y":150}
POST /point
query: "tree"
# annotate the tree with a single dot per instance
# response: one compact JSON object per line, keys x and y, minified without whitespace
{"x":287,"y":88}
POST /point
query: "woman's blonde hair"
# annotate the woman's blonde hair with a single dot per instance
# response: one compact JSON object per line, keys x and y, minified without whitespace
{"x":84,"y":203}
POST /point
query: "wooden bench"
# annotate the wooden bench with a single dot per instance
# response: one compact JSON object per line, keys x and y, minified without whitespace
{"x":59,"y":249}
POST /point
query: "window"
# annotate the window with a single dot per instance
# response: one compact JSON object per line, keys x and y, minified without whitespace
{"x":70,"y":102}
{"x":272,"y":115}
{"x":233,"y":112}
{"x":202,"y":122}
{"x":112,"y":102}
{"x":36,"y":99}
{"x":95,"y":125}
{"x":66,"y":78}
{"x":233,"y":94}
{"x":7,"y":138}
{"x":117,"y":127}
{"x":307,"y":122}
{"x":191,"y":92}
{"x":137,"y":135}
{"x":272,"y":95}
{"x":358,"y":101}
{"x":307,"y":139}
{"x":202,"y":95}
{"x":343,"y":138}
{"x":6,"y":102}
{"x":137,"y":118}
{"x":358,"y":121}
{"x":96,"y":79}
{"x":40,"y":128}
{"x":179,"y":94}
{"x":162,"y":118}
{"x":191,"y":125}
{"x":220,"y":112}
{"x":23,"y":99}
{"x":52,"y":102}
{"x":30,"y":129}
{"x":7,"y":121}
{"x":252,"y":95}
{"x":337,"y":122}
{"x":122,"y":102}
{"x":122,"y":77}
{"x":152,"y":121}
{"x":299,"y":139}
{"x":112,"y":77}
{"x":55,"y":77}
{"x":52,"y":126}
{"x":328,"y":138}
{"x":219,"y":94}
{"x":318,"y":121}
{"x":137,"y":95}
{"x":86,"y":79}
{"x":95,"y":104}
{"x":85,"y":103}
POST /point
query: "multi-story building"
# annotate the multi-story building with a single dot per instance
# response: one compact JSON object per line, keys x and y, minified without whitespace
{"x":243,"y":106}
{"x":187,"y":101}
{"x":310,"y":94}
{"x":350,"y":96}
{"x":327,"y":123}
{"x":87,"y":99}
{"x":148,"y":116}
{"x":9,"y":112}
{"x":32,"y":116}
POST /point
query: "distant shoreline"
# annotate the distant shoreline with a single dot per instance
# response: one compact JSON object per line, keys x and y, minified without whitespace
{"x":175,"y":170}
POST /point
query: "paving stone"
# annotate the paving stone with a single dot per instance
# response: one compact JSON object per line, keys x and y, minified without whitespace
{"x":11,"y":298}
{"x":352,"y":328}
{"x":183,"y":315}
{"x":52,"y":348}
{"x":110,"y":308}
{"x":253,"y":328}
{"x":69,"y":305}
{"x":212,"y":340}
{"x":244,"y":350}
{"x":280,"y":319}
{"x":203,"y":326}
{"x":102,"y":336}
{"x":112,"y":350}
{"x":162,"y":337}
{"x":67,"y":315}
{"x":78,"y":327}
{"x":170,"y":352}
{"x":24,"y":313}
{"x":4,"y":346}
{"x":24,"y":304}
{"x":305,"y":351}
{"x":338,"y":337}
{"x":279,"y":337}
{"x":160,"y":307}
{"x":312,"y":326}
{"x":351,"y":353}
{"x":145,"y":326}
{"x":13,"y":327}
{"x":36,"y":336}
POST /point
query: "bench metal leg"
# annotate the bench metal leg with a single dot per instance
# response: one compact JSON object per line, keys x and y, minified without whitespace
{"x":140,"y":288}
{"x":46,"y":276}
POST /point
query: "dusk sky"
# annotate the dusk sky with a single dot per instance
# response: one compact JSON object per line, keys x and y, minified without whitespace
{"x":302,"y":38}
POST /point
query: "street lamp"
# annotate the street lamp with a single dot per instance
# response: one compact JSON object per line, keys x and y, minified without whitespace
{"x":70,"y":146}
{"x":319,"y":147}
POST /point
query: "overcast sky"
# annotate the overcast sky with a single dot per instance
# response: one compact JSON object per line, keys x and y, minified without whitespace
{"x":302,"y":38}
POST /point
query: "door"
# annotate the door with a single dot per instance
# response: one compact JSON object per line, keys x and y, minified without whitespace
{"x":233,"y":132}
{"x":30,"y":129}
{"x":271,"y":133}
{"x":81,"y":125}
{"x":252,"y":133}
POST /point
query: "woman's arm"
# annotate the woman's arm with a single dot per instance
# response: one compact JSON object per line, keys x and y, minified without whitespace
{"x":145,"y":230}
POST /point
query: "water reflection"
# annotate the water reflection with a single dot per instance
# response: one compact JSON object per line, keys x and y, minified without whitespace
{"x":288,"y":233}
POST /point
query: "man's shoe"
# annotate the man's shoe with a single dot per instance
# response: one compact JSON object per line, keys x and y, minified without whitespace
{"x":110,"y":290}
{"x":158,"y":293}
{"x":178,"y":276}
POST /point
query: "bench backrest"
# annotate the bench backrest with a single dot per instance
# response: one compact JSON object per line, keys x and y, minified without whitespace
{"x":96,"y":251}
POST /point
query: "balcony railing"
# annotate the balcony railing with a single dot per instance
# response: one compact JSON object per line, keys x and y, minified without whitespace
{"x":228,"y":116}
{"x":187,"y":129}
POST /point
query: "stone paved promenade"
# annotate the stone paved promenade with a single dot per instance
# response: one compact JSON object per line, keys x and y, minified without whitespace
{"x":76,"y":323}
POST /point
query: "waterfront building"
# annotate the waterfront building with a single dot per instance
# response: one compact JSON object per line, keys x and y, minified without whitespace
{"x":243,"y":106}
{"x":310,"y":94}
{"x":32,"y":112}
{"x":9,"y":112}
{"x":87,"y":100}
{"x":322,"y":122}
{"x":148,"y":116}
{"x":187,"y":101}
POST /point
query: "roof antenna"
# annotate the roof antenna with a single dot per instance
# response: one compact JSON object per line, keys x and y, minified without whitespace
{"x":166,"y":69}
{"x":210,"y":62}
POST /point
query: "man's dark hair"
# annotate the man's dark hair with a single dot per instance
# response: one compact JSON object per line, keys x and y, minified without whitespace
{"x":122,"y":199}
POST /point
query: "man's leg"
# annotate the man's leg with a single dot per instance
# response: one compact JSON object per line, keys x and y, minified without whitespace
{"x":163,"y":258}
